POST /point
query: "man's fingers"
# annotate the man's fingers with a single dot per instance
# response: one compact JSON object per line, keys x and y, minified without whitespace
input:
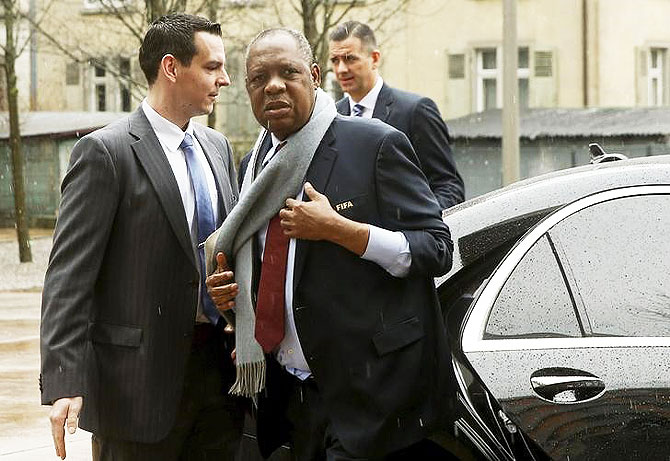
{"x":58,"y":433}
{"x":73,"y":414}
{"x":284,"y":214}
{"x":225,"y":306}
{"x":65,"y":410}
{"x":218,"y":279}
{"x":221,"y":262}
{"x":312,"y":193}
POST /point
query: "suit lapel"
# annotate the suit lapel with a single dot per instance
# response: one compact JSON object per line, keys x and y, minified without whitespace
{"x":318,"y":175}
{"x":220,"y":177}
{"x":149,"y":152}
{"x":343,"y":106}
{"x":383,"y":105}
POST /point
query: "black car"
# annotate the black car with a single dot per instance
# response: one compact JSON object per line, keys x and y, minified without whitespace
{"x":558,"y":314}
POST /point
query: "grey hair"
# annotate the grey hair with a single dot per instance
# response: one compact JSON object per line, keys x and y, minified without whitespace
{"x":304,"y":47}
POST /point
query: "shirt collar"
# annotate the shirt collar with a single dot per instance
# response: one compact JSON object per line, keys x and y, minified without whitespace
{"x":370,"y":99}
{"x":169,"y":134}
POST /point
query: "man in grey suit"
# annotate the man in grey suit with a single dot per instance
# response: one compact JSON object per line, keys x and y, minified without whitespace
{"x":129,"y":336}
{"x":355,"y":59}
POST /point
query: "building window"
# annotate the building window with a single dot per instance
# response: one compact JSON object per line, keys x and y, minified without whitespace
{"x":489,"y":78}
{"x":99,"y":67}
{"x":124,"y":84}
{"x":110,"y":84}
{"x":456,"y":66}
{"x":656,"y":75}
{"x":72,"y":73}
{"x":100,"y":97}
{"x":523,"y":74}
{"x":99,"y":85}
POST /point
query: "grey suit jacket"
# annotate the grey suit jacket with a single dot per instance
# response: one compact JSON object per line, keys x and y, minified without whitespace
{"x":121,"y":291}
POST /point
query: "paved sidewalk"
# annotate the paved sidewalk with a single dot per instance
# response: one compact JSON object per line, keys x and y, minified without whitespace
{"x":24,"y":423}
{"x":23,"y":276}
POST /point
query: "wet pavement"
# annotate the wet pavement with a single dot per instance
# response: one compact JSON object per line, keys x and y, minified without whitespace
{"x":24,"y":424}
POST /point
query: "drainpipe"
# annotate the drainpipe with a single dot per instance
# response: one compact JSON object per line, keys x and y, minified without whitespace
{"x":33,"y":56}
{"x":585,"y":53}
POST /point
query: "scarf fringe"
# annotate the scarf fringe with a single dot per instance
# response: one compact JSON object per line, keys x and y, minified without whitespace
{"x":250,"y":379}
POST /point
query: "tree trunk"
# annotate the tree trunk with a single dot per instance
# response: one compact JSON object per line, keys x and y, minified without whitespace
{"x":308,"y":10}
{"x":15,"y":135}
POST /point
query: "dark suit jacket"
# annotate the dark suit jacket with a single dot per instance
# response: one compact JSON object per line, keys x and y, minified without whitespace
{"x":121,"y":291}
{"x":419,"y":118}
{"x":375,"y":343}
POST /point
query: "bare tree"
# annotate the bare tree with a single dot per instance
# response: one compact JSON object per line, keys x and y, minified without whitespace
{"x":10,"y":54}
{"x":318,"y":17}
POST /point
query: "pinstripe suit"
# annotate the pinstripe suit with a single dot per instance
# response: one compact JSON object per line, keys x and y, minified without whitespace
{"x":121,"y":290}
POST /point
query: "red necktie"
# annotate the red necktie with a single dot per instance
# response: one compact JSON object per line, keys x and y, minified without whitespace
{"x":270,"y":306}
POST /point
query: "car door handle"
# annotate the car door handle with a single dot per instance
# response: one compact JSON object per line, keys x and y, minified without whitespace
{"x":566,"y":385}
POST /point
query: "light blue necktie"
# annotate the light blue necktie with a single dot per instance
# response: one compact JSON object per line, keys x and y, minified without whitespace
{"x":204,"y":216}
{"x":358,"y":110}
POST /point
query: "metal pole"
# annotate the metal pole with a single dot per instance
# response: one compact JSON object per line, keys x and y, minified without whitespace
{"x":510,"y":111}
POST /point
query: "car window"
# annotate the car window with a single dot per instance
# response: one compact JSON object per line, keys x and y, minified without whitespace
{"x":534,"y":302}
{"x":619,"y":255}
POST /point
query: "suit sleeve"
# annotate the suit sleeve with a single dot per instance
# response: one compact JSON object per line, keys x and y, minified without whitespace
{"x":89,"y":194}
{"x":430,"y":137}
{"x":232,"y":175}
{"x":406,"y":204}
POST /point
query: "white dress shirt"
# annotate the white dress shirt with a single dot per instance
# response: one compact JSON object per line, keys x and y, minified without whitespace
{"x":369,"y":100}
{"x":388,"y":249}
{"x":170,"y":137}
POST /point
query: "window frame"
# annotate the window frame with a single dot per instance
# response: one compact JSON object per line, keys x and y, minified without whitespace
{"x":481,"y":74}
{"x":657,"y":74}
{"x":98,"y":81}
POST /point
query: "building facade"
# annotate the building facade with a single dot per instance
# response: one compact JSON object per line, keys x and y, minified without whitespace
{"x":571,"y":54}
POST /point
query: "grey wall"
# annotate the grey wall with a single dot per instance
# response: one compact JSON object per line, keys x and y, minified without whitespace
{"x":479,"y":160}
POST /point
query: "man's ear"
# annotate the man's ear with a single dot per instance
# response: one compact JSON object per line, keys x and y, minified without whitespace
{"x":168,"y":67}
{"x":316,"y":75}
{"x":376,"y":56}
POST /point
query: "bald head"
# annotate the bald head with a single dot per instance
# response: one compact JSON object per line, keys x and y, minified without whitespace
{"x":301,"y":42}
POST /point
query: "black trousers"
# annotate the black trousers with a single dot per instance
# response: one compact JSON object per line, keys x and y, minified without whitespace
{"x":312,"y":437}
{"x":209,"y":422}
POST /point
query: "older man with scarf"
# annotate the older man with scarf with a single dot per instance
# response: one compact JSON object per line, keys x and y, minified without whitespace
{"x":334,"y":244}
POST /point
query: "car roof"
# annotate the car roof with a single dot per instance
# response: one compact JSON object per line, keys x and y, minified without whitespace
{"x":483,"y":224}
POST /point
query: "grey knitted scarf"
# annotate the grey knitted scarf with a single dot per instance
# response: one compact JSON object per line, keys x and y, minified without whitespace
{"x":260,"y":200}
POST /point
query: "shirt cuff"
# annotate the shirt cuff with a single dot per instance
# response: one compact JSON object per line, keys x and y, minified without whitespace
{"x":389,"y":250}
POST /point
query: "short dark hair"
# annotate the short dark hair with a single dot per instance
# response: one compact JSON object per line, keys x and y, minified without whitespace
{"x":304,"y":47}
{"x":356,"y":29}
{"x":172,"y":34}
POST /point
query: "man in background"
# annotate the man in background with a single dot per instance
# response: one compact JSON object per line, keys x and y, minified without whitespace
{"x":129,"y":336}
{"x":355,"y":60}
